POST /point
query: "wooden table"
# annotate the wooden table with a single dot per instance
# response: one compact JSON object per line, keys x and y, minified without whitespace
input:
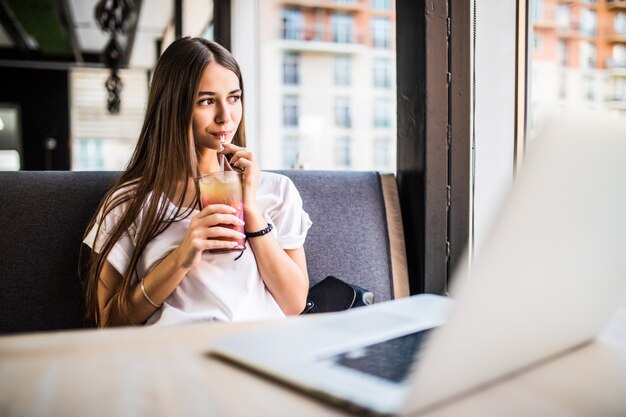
{"x":168,"y":372}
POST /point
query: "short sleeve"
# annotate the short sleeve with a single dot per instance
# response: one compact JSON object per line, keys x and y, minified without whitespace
{"x":119,"y":257}
{"x":289,"y":218}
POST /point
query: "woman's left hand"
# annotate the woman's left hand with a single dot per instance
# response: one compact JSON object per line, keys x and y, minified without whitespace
{"x":245,"y":161}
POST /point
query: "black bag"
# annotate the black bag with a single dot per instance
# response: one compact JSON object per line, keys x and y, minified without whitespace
{"x":332,"y":294}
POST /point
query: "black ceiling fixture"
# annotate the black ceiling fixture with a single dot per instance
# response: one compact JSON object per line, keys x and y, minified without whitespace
{"x":115,"y":17}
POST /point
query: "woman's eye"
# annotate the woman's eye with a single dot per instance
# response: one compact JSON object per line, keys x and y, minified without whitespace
{"x":234,"y":99}
{"x":206,"y":101}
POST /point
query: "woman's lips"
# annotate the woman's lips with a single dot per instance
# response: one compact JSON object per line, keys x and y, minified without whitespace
{"x":224,"y":133}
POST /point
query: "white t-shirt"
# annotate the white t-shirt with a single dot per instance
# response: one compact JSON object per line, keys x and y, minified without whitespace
{"x":220,"y":287}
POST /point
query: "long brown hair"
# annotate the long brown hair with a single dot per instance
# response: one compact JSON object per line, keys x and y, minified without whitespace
{"x":164,"y":158}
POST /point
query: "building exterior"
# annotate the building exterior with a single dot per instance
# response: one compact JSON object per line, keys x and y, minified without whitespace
{"x":327,"y":84}
{"x":578,"y":54}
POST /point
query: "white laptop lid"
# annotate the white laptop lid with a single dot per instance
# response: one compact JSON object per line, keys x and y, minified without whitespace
{"x":551,"y":272}
{"x":547,"y":279}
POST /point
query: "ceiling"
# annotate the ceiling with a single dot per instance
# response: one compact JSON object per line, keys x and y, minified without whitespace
{"x":64,"y":33}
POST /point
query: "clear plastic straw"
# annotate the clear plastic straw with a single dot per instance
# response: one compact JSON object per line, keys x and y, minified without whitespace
{"x":221,"y":156}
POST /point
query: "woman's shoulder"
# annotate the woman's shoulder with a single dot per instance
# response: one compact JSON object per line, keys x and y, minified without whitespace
{"x":119,"y":198}
{"x":275,"y":182}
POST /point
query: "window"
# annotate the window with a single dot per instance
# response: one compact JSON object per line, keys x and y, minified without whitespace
{"x":381,"y":4}
{"x":619,"y":55}
{"x":382,"y":157}
{"x":343,"y":157}
{"x":619,"y":23}
{"x":342,"y":70}
{"x":588,"y":55}
{"x":318,"y":87}
{"x":589,"y":88}
{"x":290,"y":110}
{"x":90,"y":155}
{"x":563,"y":86}
{"x":382,"y":73}
{"x":382,"y":117}
{"x":562,"y":16}
{"x":292,"y":24}
{"x":537,"y":10}
{"x":10,"y":137}
{"x":618,"y":90}
{"x":537,"y":42}
{"x":9,"y":160}
{"x":290,"y":68}
{"x":342,"y":112}
{"x":588,"y":22}
{"x":343,"y":28}
{"x":381,"y":29}
{"x":561,"y":53}
{"x":291,"y":151}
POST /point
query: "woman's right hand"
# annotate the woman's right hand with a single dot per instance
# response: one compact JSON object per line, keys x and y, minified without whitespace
{"x":206,"y":231}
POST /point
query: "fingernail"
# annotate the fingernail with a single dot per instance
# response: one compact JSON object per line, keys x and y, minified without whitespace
{"x":241,"y":222}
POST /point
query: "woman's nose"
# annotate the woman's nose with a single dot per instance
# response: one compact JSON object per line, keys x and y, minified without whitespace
{"x":222,"y":115}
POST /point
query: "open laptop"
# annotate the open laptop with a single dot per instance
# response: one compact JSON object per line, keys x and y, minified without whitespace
{"x":547,"y":279}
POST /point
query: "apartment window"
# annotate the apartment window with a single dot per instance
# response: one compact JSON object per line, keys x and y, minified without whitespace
{"x":381,"y":4}
{"x":291,"y":151}
{"x":342,"y":70}
{"x":382,"y":116}
{"x":292,"y":24}
{"x":290,"y":110}
{"x":343,"y":158}
{"x":619,"y":55}
{"x":381,"y":32}
{"x":90,"y":155}
{"x":537,"y":10}
{"x":381,"y":152}
{"x":619,"y":23}
{"x":589,"y":88}
{"x":382,"y":73}
{"x":561,"y":53}
{"x":537,"y":42}
{"x":342,"y":112}
{"x":562,"y":16}
{"x":343,"y":27}
{"x":618,"y":88}
{"x":563,"y":86}
{"x":588,"y":55}
{"x":291,"y":62}
{"x":588,"y":22}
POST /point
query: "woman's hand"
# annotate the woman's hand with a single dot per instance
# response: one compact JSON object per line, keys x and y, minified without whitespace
{"x":245,"y":161}
{"x":207,"y":231}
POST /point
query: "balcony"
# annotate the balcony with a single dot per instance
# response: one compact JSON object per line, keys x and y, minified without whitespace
{"x":322,"y":38}
{"x":345,"y":6}
{"x":616,"y":102}
{"x":615,"y":68}
{"x":616,"y":4}
{"x":616,"y":37}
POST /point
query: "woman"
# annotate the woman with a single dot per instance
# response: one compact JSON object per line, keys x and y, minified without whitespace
{"x":150,"y":261}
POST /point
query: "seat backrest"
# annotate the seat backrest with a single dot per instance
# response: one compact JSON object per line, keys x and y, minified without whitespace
{"x":43,"y":216}
{"x":42,"y":219}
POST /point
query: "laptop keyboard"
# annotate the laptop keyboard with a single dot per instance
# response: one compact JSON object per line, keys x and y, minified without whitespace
{"x":392,"y":359}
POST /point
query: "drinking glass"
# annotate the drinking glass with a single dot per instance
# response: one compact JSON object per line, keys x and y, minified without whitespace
{"x":224,"y":187}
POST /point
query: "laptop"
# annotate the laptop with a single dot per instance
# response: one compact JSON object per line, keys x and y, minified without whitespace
{"x":547,"y":279}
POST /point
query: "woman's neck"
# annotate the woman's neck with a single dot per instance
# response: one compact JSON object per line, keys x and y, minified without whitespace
{"x":208,"y":162}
